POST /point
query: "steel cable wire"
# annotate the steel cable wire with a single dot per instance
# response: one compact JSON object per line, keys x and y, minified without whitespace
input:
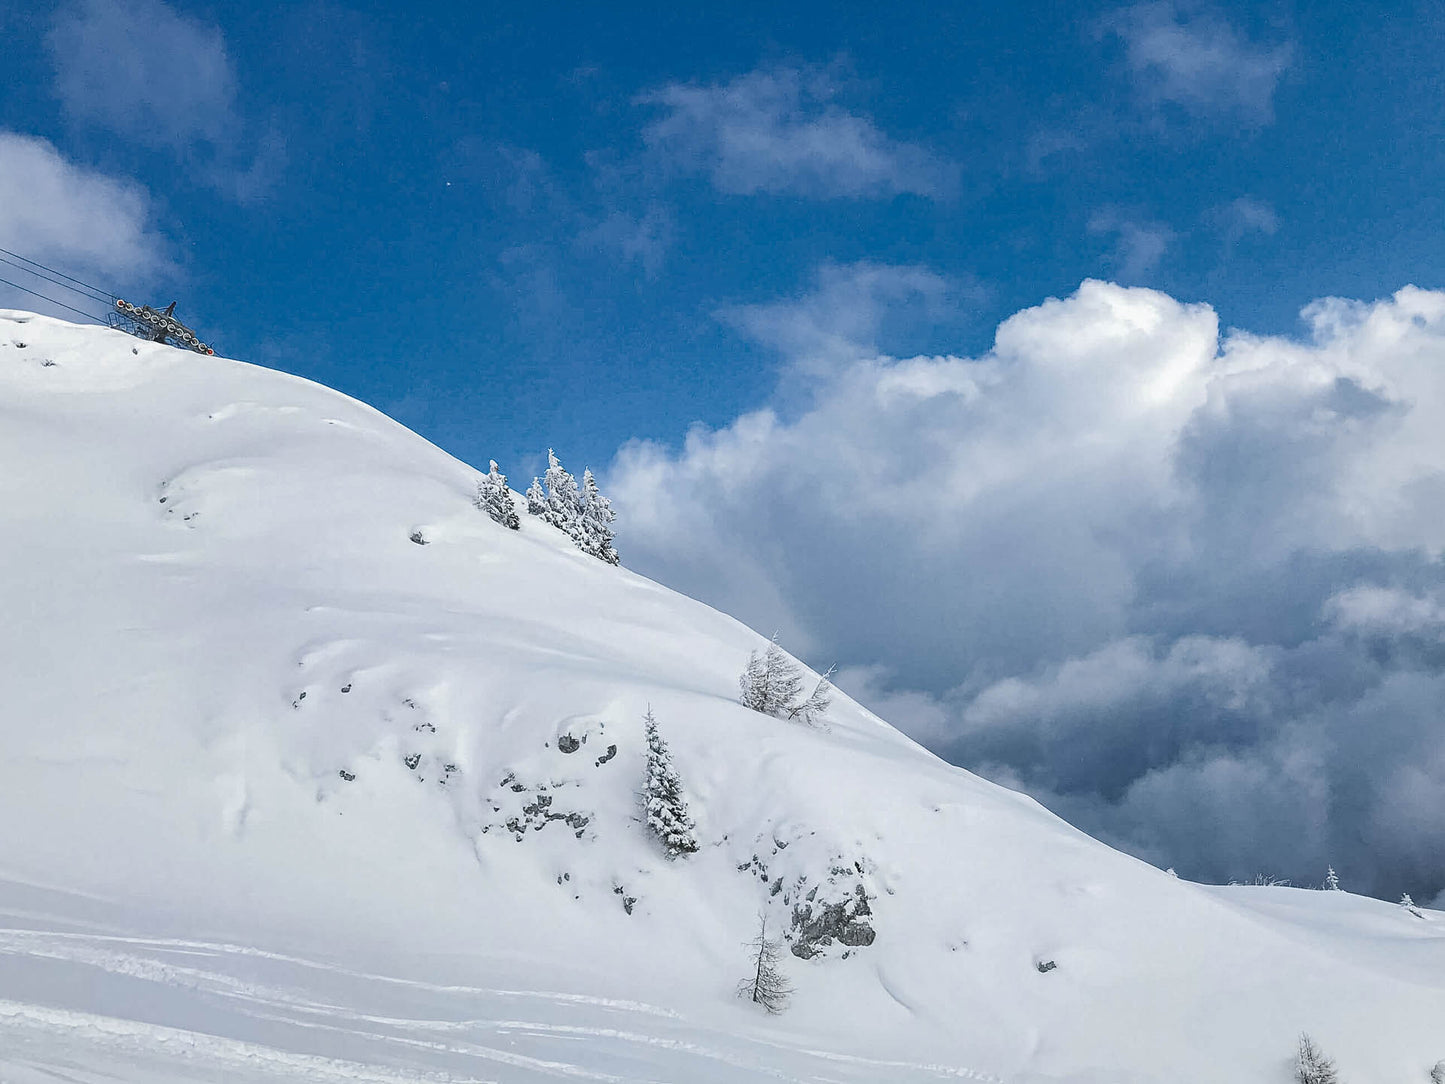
{"x":100,"y":295}
{"x":89,"y":316}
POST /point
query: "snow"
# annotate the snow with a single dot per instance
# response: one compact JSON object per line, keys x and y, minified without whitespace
{"x":215,"y":608}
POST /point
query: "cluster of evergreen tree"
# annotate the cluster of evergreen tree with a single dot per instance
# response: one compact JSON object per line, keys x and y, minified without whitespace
{"x":773,"y":685}
{"x":584,"y":514}
{"x":494,"y":498}
{"x":662,"y":799}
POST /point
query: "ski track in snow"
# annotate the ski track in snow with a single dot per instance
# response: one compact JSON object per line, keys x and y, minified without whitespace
{"x":40,"y":1039}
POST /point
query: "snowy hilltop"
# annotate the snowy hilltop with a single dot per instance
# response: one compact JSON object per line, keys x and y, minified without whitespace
{"x":326,"y":757}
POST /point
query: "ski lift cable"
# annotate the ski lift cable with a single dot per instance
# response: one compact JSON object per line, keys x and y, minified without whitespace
{"x":105,"y":295}
{"x":58,"y":279}
{"x":86,"y":292}
{"x":89,"y":316}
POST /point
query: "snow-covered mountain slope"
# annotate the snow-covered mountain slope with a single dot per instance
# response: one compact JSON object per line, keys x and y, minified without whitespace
{"x":286,"y":795}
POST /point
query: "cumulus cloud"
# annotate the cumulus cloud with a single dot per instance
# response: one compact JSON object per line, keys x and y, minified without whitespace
{"x":72,"y":218}
{"x":1184,"y":588}
{"x":1196,"y":60}
{"x":140,"y":68}
{"x":783,"y":130}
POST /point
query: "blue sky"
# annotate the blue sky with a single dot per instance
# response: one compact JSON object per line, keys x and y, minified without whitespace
{"x":474,"y":217}
{"x":784,"y":280}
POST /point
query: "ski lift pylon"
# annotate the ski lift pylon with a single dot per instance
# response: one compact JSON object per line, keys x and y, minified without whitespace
{"x":161,"y":327}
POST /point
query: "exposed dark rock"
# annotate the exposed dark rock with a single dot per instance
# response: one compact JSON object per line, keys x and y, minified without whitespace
{"x":568,"y":744}
{"x":816,"y":925}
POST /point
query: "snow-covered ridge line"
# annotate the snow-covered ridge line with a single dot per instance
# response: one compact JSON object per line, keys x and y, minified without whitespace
{"x":403,"y":782}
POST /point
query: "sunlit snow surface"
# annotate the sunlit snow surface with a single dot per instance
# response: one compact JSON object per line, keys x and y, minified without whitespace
{"x":264,"y":763}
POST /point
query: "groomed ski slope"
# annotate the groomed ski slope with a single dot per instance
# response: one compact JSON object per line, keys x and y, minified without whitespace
{"x":214,"y":608}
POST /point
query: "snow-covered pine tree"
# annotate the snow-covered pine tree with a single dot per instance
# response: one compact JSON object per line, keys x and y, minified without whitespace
{"x":766,"y":986}
{"x":1437,"y":1074}
{"x":1408,"y":904}
{"x":595,"y":516}
{"x":1332,"y":880}
{"x":662,"y":799}
{"x":536,"y":499}
{"x":561,"y":497}
{"x":753,"y":684}
{"x":818,"y":702}
{"x":770,"y":684}
{"x":495,"y":498}
{"x":1311,"y":1065}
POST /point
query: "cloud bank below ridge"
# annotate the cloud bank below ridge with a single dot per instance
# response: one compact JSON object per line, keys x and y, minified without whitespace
{"x":1186,"y":588}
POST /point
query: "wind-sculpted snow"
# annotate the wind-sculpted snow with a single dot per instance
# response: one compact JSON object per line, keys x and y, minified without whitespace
{"x":286,"y":795}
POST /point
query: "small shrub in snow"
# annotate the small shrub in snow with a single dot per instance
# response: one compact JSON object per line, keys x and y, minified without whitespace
{"x":1408,"y":904}
{"x":1311,"y":1065}
{"x":818,"y":702}
{"x":1332,"y":880}
{"x":495,"y":498}
{"x":766,"y":986}
{"x":772,"y":684}
{"x":662,"y":799}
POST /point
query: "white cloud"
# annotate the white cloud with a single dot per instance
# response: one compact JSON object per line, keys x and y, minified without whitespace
{"x":145,"y":71}
{"x":1099,"y":560}
{"x":1138,"y":247}
{"x":1387,"y":611}
{"x":782,"y":130}
{"x":1198,"y":61}
{"x":67,"y":216}
{"x":840,"y":318}
{"x":1247,"y":214}
{"x":641,"y":238}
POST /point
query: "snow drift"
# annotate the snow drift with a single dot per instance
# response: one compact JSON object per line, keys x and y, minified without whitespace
{"x":309,"y":770}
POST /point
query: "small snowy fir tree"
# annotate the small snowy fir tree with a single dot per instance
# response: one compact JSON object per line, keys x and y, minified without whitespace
{"x":818,"y":702}
{"x":1332,"y":880}
{"x":561,"y":497}
{"x":1408,"y":904}
{"x":536,"y":499}
{"x":766,"y":986}
{"x":662,"y":799}
{"x":770,"y":684}
{"x":1311,"y":1065}
{"x":1437,"y":1074}
{"x":495,"y":499}
{"x":594,"y":517}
